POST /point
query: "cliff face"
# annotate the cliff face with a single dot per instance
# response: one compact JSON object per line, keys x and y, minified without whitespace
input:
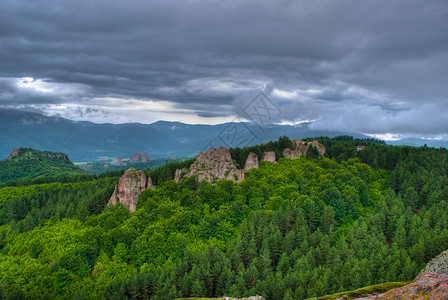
{"x":214,"y":165}
{"x":300,"y":147}
{"x":129,"y":188}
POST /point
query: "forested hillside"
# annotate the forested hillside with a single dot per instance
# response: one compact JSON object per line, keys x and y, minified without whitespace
{"x":293,"y":229}
{"x":29,"y":163}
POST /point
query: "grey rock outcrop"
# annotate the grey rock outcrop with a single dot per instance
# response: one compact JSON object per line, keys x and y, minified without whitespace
{"x":178,"y":175}
{"x":14,"y":152}
{"x":120,"y":161}
{"x":139,"y":157}
{"x":214,"y":165}
{"x":129,"y":188}
{"x":300,"y":148}
{"x":269,"y":156}
{"x":150,"y":184}
{"x":251,"y":162}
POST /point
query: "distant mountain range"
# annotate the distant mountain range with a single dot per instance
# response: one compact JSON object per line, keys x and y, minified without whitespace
{"x":86,"y":141}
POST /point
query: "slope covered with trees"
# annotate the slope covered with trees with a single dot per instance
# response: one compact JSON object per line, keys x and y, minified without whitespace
{"x":291,"y":230}
{"x":30,"y":163}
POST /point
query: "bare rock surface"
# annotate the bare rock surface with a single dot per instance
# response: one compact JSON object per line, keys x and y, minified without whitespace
{"x":14,"y":152}
{"x":178,"y":175}
{"x":213,"y":165}
{"x":300,"y":147}
{"x":251,"y":162}
{"x":150,"y":184}
{"x":120,"y":161}
{"x":139,"y":157}
{"x":269,"y":156}
{"x":129,"y":188}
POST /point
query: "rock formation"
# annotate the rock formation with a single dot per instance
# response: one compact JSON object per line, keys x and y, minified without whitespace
{"x":214,"y":165}
{"x":150,"y":185}
{"x":320,"y":148}
{"x":269,"y":156}
{"x":139,"y":157}
{"x":300,"y":147}
{"x":129,"y":188}
{"x":251,"y":162}
{"x":178,"y":175}
{"x":14,"y":152}
{"x":120,"y":161}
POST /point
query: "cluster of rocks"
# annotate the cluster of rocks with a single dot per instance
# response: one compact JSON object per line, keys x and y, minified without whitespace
{"x":300,"y":148}
{"x":139,"y":157}
{"x":135,"y":158}
{"x":213,"y":165}
{"x":217,"y":164}
{"x":120,"y":161}
{"x":129,"y":188}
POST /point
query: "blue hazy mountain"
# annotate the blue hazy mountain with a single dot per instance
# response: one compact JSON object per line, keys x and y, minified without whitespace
{"x":86,"y":141}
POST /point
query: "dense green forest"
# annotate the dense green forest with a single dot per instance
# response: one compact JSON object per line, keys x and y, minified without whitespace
{"x":30,"y":163}
{"x":291,"y":230}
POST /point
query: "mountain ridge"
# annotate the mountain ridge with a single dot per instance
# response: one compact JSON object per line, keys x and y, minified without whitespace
{"x":85,"y":141}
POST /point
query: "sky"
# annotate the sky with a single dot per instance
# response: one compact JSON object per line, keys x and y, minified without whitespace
{"x":378,"y":67}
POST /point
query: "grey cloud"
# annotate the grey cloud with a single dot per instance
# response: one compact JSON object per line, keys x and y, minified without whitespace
{"x":388,"y":58}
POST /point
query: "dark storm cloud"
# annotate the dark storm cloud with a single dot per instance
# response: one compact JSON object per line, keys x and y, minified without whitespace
{"x":388,"y":58}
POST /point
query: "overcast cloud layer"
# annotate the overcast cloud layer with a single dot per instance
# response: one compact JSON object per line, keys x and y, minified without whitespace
{"x":376,"y":67}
